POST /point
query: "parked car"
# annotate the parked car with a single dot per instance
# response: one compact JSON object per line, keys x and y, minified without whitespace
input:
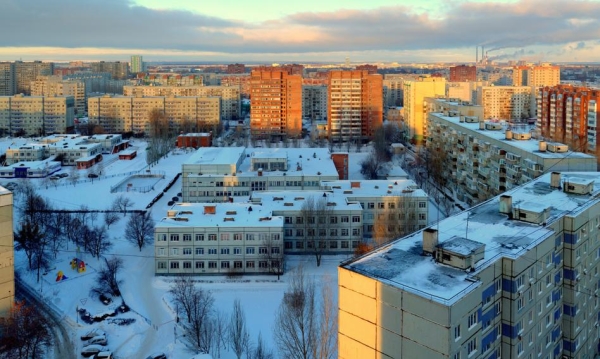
{"x":103,"y":355}
{"x":157,"y":356}
{"x":92,"y":175}
{"x":92,"y":333}
{"x":63,"y":175}
{"x":175,"y":199}
{"x":54,"y":177}
{"x":179,"y":194}
{"x":170,"y":203}
{"x":90,"y":350}
{"x":99,"y":339}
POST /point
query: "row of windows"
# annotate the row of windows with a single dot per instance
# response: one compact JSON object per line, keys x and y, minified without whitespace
{"x":216,"y":264}
{"x":322,"y":219}
{"x":392,"y":205}
{"x":199,"y":237}
{"x":321,"y":244}
{"x":311,"y":232}
{"x":187,"y":251}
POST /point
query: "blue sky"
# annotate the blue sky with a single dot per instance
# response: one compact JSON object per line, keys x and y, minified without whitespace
{"x":310,"y":30}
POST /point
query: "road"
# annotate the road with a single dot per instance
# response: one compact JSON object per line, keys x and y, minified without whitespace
{"x":63,"y":347}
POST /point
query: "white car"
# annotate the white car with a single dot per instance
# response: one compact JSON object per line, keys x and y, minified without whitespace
{"x":93,"y":333}
{"x":99,"y":339}
{"x":90,"y":350}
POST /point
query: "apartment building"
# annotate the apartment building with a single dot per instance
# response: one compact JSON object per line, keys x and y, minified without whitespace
{"x":465,"y":91}
{"x":486,"y":158}
{"x":169,"y":79}
{"x":56,"y":86}
{"x":36,"y":115}
{"x":390,"y":208}
{"x":97,"y":83}
{"x":536,"y":76}
{"x":463,"y":73}
{"x":7,"y":261}
{"x":415,"y":93}
{"x":569,"y":114}
{"x":315,"y":219}
{"x":218,"y":174}
{"x":393,"y":90}
{"x":230,"y":101}
{"x":236,"y":68}
{"x":514,"y":277}
{"x":26,"y":72}
{"x":314,"y":102}
{"x":117,"y":114}
{"x":242,"y":81}
{"x":507,"y":102}
{"x":30,"y":169}
{"x":372,"y":69}
{"x":275,"y":103}
{"x":8,"y":79}
{"x":117,"y":69}
{"x":137,"y":64}
{"x":355,"y":105}
{"x":203,"y":238}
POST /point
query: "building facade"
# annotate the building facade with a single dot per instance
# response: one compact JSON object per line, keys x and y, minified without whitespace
{"x":36,"y":115}
{"x":8,"y":79}
{"x":507,"y":102}
{"x":486,"y":158}
{"x":314,"y":102}
{"x":7,"y":261}
{"x":236,"y":68}
{"x":515,"y":277}
{"x":26,"y":72}
{"x":569,"y":114}
{"x":354,"y":105}
{"x":536,"y":76}
{"x":56,"y":86}
{"x":117,"y":69}
{"x":463,"y":73}
{"x":117,"y":114}
{"x":275,"y":103}
{"x":415,"y":93}
{"x":230,"y":101}
{"x":226,"y":238}
{"x":137,"y":64}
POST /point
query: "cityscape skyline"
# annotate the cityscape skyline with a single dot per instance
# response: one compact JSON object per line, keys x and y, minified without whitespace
{"x":382,"y":31}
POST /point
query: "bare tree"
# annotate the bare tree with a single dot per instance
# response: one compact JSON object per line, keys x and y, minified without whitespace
{"x":34,"y":243}
{"x":110,"y":218}
{"x":183,"y":291}
{"x":98,"y":241}
{"x":56,"y":231}
{"x":140,"y":229}
{"x":107,"y":280}
{"x":237,"y":330}
{"x":316,"y":215}
{"x":200,"y":319}
{"x":327,"y":317}
{"x":370,"y":166}
{"x":24,"y":333}
{"x":74,"y":176}
{"x":121,"y":203}
{"x":272,"y":253}
{"x":399,"y":219}
{"x":261,"y":351}
{"x":220,"y":331}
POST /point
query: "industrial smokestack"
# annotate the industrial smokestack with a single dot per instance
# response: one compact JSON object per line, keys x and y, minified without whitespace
{"x":476,"y":55}
{"x":482,"y":53}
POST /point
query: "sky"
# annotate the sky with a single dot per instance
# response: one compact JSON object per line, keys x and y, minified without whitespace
{"x":310,"y":30}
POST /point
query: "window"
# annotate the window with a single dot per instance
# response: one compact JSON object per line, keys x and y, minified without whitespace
{"x":174,"y":265}
{"x":333,"y":245}
{"x":237,"y":251}
{"x":212,"y":264}
{"x":344,"y":232}
{"x":371,"y":205}
{"x":275,"y":236}
{"x":299,"y":232}
{"x":224,"y":236}
{"x":175,"y":251}
{"x":356,"y":231}
{"x":263,"y":264}
{"x":333,"y":233}
{"x":356,"y":219}
{"x":199,"y":251}
{"x":187,"y":265}
{"x":345,"y":219}
{"x":519,"y":304}
{"x":249,"y":236}
{"x":262,"y":250}
{"x":457,"y":332}
{"x":275,"y":250}
{"x":472,"y":346}
{"x":224,"y":264}
{"x":472,"y":319}
{"x":520,"y":280}
{"x":212,"y":251}
{"x":199,"y":265}
{"x":237,"y":264}
{"x":249,"y":250}
{"x":237,"y":236}
{"x":212,"y":237}
{"x":422,"y":204}
{"x":380,"y":205}
{"x":345,"y":244}
{"x":174,"y":237}
{"x":288,"y":220}
{"x":333,"y":219}
{"x":187,"y":237}
{"x":224,"y":251}
{"x":249,"y":264}
{"x":162,"y":265}
{"x":299,"y":245}
{"x":199,"y":237}
{"x":163,"y":238}
{"x":161,"y":251}
{"x":187,"y":251}
{"x":422,"y":216}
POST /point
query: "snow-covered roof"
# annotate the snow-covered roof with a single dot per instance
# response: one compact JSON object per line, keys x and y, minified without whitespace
{"x":461,"y":245}
{"x":293,"y":200}
{"x":222,"y":215}
{"x":530,"y":145}
{"x":216,"y":155}
{"x":33,"y":165}
{"x":402,"y":265}
{"x":375,"y":188}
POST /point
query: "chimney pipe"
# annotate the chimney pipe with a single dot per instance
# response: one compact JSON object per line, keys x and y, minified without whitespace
{"x":476,"y":55}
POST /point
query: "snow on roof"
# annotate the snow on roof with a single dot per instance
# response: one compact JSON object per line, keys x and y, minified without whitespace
{"x":578,"y":180}
{"x":33,"y":165}
{"x":500,"y":135}
{"x":69,"y":142}
{"x":461,"y":245}
{"x":225,"y":215}
{"x":376,"y":188}
{"x":198,"y":134}
{"x":293,"y":200}
{"x":216,"y":155}
{"x":402,"y":265}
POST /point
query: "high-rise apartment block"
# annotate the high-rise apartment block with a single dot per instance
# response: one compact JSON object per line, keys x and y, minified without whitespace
{"x":314,"y":102}
{"x":463,"y":73}
{"x":36,"y":115}
{"x":465,"y":91}
{"x":569,"y":114}
{"x":536,"y":76}
{"x":56,"y":86}
{"x":236,"y":68}
{"x":514,"y":277}
{"x":26,"y":72}
{"x":355,"y":105}
{"x":117,"y":69}
{"x":7,"y":262}
{"x":275,"y":103}
{"x":372,"y":69}
{"x":393,"y":90}
{"x":100,"y":82}
{"x":169,"y":79}
{"x":8,"y":79}
{"x":507,"y":102}
{"x":229,"y":96}
{"x":415,"y":93}
{"x":118,"y":114}
{"x":137,"y":64}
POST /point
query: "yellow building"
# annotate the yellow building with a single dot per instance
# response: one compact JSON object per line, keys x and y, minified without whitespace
{"x":536,"y":76}
{"x":507,"y":102}
{"x":7,"y":268}
{"x":56,"y":86}
{"x":414,"y":103}
{"x":36,"y":115}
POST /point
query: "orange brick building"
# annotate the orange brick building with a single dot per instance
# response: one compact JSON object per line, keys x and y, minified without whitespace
{"x":275,"y":103}
{"x":569,"y":114}
{"x":194,"y":140}
{"x":236,"y":68}
{"x":355,"y":105}
{"x":463,"y":73}
{"x":340,"y":161}
{"x":372,"y":69}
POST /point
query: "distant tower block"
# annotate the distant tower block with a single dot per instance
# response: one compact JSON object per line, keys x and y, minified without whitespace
{"x":347,"y":62}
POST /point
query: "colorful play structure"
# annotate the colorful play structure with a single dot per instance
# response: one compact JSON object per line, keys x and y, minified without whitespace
{"x":76,"y":264}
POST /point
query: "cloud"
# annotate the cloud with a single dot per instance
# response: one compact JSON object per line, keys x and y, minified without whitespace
{"x":118,"y":24}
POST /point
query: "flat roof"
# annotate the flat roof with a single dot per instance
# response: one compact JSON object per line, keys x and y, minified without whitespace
{"x":376,"y":188}
{"x":402,"y":265}
{"x":294,"y":200}
{"x":215,"y":156}
{"x":531,"y":145}
{"x":243,"y":214}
